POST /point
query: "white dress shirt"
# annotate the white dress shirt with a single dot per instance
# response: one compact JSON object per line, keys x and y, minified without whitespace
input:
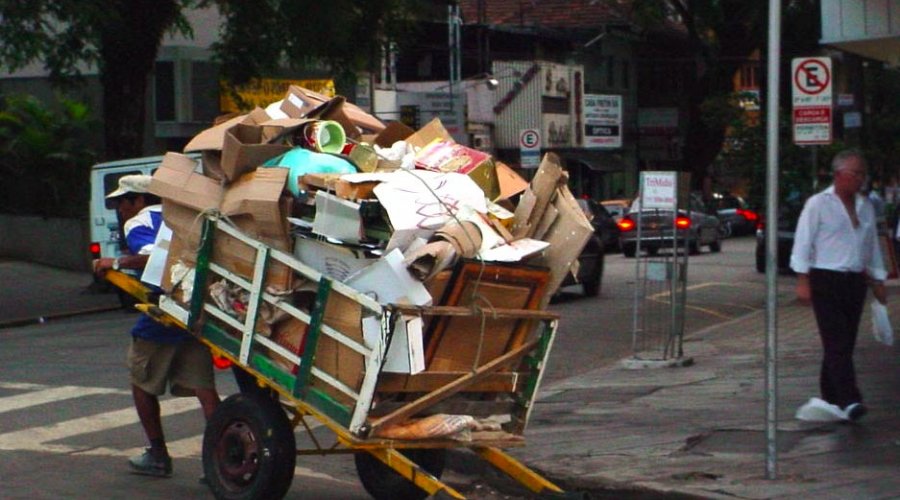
{"x":826,"y":239}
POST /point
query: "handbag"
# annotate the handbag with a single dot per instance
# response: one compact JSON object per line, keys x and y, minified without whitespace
{"x":881,"y":324}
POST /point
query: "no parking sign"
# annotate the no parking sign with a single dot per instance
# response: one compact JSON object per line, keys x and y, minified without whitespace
{"x":811,"y":81}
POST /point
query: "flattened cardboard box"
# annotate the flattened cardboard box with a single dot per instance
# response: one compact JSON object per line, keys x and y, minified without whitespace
{"x":438,"y":152}
{"x":253,"y":203}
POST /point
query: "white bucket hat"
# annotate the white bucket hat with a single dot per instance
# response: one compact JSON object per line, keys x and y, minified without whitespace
{"x":131,"y":184}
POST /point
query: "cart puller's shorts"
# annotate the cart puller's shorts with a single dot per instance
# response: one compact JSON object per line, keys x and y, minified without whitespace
{"x":184,"y":366}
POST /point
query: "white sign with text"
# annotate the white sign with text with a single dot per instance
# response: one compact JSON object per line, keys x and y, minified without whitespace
{"x":659,"y":190}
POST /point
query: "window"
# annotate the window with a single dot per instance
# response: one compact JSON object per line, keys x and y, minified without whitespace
{"x":164,"y":91}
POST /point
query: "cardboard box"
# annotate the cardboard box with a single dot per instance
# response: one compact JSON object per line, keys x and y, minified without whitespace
{"x":300,"y":102}
{"x":348,"y":366}
{"x":253,"y":204}
{"x":347,"y":189}
{"x":290,"y":334}
{"x":537,"y":197}
{"x":245,"y":148}
{"x":438,"y":153}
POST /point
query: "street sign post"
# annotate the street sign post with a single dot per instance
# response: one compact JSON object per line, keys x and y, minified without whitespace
{"x":811,"y":79}
{"x":530,"y":148}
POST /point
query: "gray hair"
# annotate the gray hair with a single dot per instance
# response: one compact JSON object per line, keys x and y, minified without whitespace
{"x":840,"y":159}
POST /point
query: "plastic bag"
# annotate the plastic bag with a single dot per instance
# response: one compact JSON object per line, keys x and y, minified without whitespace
{"x":881,"y":324}
{"x":817,"y":410}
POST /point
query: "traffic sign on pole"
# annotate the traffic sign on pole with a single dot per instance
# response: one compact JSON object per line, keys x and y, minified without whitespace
{"x":530,"y":148}
{"x":811,"y":79}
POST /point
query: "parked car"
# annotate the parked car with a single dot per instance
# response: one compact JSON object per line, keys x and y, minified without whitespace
{"x":590,"y":268}
{"x":604,"y":224}
{"x":735,"y":215}
{"x":694,"y":228}
{"x":617,"y":208}
{"x":788,"y":215}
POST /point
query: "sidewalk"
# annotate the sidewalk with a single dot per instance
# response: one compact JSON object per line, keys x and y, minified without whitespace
{"x":31,"y":292}
{"x":701,"y":431}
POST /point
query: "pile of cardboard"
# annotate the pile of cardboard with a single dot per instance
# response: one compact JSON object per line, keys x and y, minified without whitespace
{"x":416,"y":207}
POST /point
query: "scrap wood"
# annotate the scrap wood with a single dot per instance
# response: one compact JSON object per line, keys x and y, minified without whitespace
{"x":454,"y":387}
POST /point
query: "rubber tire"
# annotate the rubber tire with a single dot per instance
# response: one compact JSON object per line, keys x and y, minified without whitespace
{"x":254,"y":430}
{"x":628,"y":250}
{"x":383,"y":483}
{"x":591,"y":287}
{"x":715,"y":246}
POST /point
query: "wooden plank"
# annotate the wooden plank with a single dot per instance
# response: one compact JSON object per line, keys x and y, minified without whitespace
{"x":429,"y":381}
{"x":478,"y":409}
{"x":499,"y":313}
{"x":454,"y":387}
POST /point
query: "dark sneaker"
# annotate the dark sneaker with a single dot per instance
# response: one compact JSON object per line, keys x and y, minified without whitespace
{"x":856,"y":411}
{"x":147,"y":465}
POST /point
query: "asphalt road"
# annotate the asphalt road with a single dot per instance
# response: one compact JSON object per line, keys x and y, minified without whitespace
{"x":67,"y":424}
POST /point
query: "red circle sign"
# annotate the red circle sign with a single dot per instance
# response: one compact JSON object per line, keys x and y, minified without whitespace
{"x":530,"y":139}
{"x":812,"y":77}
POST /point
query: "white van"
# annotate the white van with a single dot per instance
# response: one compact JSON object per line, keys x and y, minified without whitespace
{"x":105,"y":227}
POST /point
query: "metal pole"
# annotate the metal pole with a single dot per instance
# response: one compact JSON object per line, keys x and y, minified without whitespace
{"x":635,"y":311}
{"x":771,"y":238}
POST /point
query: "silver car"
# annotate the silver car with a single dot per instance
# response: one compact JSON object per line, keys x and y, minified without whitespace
{"x":694,"y":228}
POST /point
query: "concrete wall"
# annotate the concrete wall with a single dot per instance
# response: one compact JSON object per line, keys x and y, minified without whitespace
{"x":54,"y":242}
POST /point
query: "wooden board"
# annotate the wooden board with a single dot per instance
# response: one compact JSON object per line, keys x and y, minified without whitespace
{"x":464,"y":343}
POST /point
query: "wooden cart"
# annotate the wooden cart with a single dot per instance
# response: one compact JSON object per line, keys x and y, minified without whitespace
{"x":335,"y":377}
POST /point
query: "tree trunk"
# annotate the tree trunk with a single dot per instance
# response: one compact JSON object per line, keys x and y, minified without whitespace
{"x":129,"y":44}
{"x":737,"y":35}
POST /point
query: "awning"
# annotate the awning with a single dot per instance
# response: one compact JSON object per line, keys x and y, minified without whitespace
{"x":882,"y":49}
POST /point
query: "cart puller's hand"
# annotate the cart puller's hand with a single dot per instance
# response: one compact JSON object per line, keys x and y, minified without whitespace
{"x":104,"y":264}
{"x":804,"y":295}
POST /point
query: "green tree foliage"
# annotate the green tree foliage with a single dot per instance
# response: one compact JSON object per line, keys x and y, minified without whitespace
{"x":118,"y":38}
{"x":44,"y":157}
{"x":722,"y":36}
{"x":121,"y":39}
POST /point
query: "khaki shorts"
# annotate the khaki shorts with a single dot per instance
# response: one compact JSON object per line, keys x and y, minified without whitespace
{"x":183,"y":367}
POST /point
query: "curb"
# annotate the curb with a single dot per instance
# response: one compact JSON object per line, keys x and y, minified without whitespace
{"x":43,"y":319}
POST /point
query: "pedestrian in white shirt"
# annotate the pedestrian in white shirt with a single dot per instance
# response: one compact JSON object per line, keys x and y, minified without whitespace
{"x":836,"y":256}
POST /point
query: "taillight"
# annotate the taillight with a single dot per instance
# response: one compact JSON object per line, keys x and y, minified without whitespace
{"x":750,"y":215}
{"x":221,"y":362}
{"x":625,"y":224}
{"x":682,"y":222}
{"x":95,"y":249}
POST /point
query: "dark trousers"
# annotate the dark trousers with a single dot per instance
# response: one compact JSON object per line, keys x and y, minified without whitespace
{"x":838,"y":299}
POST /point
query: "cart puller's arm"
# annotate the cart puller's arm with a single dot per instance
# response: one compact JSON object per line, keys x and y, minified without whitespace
{"x":104,"y":264}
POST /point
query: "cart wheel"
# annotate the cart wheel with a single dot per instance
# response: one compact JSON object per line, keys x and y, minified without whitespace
{"x":249,"y":450}
{"x":383,"y":483}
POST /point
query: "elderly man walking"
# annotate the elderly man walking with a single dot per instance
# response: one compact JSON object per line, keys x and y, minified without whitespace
{"x":837,"y":257}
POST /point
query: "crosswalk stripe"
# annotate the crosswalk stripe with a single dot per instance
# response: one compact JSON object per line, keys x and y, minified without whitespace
{"x":44,"y":396}
{"x":40,"y":438}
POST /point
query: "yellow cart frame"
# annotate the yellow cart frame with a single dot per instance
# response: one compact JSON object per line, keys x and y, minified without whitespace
{"x":346,"y":409}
